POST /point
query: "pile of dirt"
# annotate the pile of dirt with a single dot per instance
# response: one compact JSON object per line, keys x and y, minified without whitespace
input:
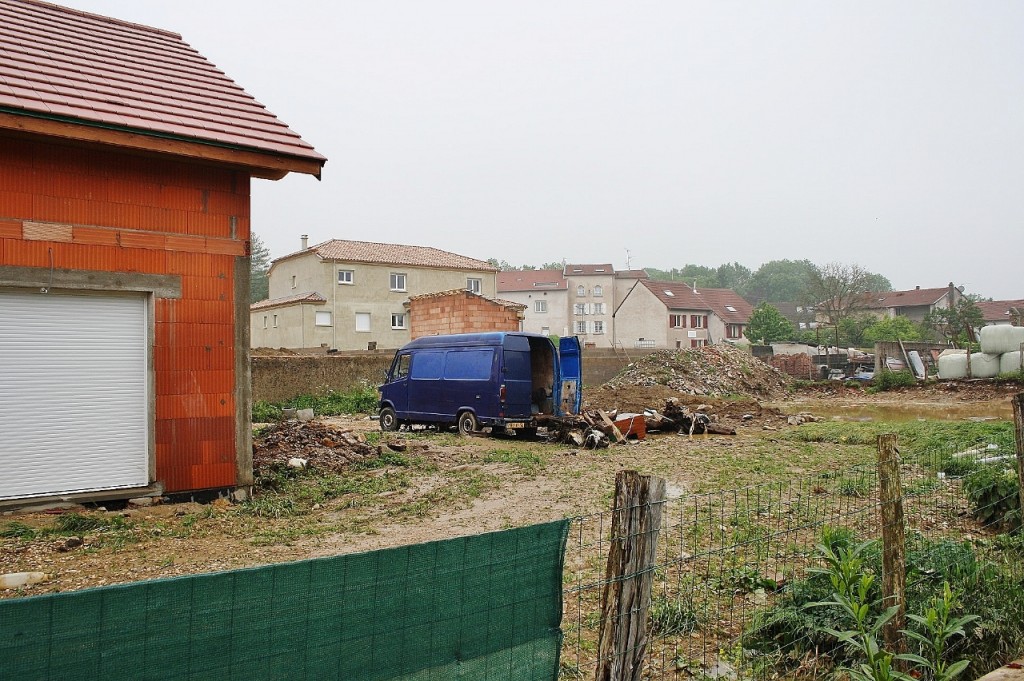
{"x":318,"y":444}
{"x":710,"y":370}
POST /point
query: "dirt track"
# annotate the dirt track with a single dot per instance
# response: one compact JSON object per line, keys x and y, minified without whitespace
{"x":442,"y":486}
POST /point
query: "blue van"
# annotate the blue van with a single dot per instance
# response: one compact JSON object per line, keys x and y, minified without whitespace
{"x":505,"y":380}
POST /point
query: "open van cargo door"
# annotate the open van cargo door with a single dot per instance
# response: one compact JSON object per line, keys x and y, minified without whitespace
{"x":570,"y":397}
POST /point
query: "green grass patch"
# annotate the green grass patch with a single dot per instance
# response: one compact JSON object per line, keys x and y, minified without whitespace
{"x":526,"y":462}
{"x":916,"y":438}
{"x":360,"y":400}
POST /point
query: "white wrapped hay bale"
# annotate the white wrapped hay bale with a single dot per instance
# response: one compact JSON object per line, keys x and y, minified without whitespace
{"x":953,"y":365}
{"x":1009,"y":362}
{"x":996,"y":340}
{"x":984,"y":365}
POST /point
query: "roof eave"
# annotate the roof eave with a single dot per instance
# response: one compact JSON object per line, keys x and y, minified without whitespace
{"x":259,"y":163}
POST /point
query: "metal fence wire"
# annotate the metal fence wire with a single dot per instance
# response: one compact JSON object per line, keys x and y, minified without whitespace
{"x":729,"y":561}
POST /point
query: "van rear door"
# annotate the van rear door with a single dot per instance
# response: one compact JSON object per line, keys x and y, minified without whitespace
{"x":516,"y":376}
{"x":570,"y":397}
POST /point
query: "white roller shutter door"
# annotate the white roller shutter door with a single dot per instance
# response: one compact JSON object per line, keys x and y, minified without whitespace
{"x":73,"y":393}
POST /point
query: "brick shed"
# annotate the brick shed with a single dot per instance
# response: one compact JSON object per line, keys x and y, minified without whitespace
{"x":461,"y":311}
{"x":124,"y":257}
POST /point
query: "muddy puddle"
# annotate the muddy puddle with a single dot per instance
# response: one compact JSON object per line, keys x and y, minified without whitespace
{"x":904,"y":411}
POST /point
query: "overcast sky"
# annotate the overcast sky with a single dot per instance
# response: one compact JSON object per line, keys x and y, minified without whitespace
{"x":887,"y":134}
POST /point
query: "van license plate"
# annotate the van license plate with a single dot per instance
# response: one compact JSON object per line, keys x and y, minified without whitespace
{"x":515,"y":424}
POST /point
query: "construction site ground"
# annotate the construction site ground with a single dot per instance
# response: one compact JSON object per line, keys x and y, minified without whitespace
{"x":363,"y":489}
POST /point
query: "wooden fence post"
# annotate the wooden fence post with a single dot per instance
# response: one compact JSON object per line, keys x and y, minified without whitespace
{"x":1018,"y":423}
{"x":626,"y":598}
{"x":894,"y":557}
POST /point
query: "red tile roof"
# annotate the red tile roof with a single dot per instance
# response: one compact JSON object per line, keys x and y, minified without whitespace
{"x":462,"y":291}
{"x":342,"y":250}
{"x":532,"y":280}
{"x":587,"y":270}
{"x":999,"y":310}
{"x":308,"y":297}
{"x":70,"y":66}
{"x":912,"y":298}
{"x":725,"y":303}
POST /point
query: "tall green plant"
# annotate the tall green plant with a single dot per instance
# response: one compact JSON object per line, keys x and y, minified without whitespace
{"x":938,"y":628}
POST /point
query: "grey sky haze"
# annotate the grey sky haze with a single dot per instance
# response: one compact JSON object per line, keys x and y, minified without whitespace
{"x":889,"y":134}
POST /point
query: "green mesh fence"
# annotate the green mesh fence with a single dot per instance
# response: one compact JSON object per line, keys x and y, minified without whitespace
{"x":481,"y":607}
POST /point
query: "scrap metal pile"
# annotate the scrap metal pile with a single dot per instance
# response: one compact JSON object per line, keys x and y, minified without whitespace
{"x":710,"y":370}
{"x":596,"y":428}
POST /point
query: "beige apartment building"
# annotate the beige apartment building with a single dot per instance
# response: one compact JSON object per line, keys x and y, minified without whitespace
{"x":354,"y":295}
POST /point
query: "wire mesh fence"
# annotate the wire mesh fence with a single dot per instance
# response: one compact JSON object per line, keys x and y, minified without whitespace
{"x":734,"y":570}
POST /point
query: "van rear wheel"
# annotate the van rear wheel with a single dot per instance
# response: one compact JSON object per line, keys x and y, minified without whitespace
{"x":388,"y":419}
{"x":467,"y":423}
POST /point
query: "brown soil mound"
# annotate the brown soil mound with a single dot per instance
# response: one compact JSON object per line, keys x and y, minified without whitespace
{"x":711,"y":370}
{"x":321,"y":445}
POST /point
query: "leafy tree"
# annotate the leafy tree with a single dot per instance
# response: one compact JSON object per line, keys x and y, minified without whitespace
{"x":732,"y":276}
{"x":767,"y":325}
{"x":892,"y":329}
{"x":951,"y":324}
{"x":837,"y":290}
{"x":551,"y":266}
{"x":778,"y":281}
{"x":259,"y":264}
{"x":704,"y":277}
{"x":851,"y":330}
{"x":505,"y":266}
{"x":877,"y":282}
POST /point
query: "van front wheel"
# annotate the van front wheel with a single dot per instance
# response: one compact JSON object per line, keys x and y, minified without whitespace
{"x":467,"y":423}
{"x":388,"y":419}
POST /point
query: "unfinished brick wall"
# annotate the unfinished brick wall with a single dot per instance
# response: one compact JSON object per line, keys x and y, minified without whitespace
{"x":461,"y":312}
{"x":797,"y":366}
{"x":79,"y":209}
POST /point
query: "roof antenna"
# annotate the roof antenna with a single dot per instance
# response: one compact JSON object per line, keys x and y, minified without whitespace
{"x":627,"y":260}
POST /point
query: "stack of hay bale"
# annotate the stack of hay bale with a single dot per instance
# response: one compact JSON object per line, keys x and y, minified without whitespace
{"x":1000,"y":354}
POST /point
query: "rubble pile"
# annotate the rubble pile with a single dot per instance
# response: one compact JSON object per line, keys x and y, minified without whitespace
{"x":710,"y":370}
{"x":313,"y":443}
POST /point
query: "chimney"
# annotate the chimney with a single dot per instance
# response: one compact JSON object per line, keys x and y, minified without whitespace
{"x":305,"y":241}
{"x":917,"y":288}
{"x":694,"y":285}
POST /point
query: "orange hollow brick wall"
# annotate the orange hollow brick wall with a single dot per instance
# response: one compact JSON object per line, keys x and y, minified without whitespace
{"x":460,"y":313}
{"x":112,"y":212}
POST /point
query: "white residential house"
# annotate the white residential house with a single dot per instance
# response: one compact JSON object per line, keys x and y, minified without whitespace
{"x":353,"y":295}
{"x":661,"y":314}
{"x":545,"y":293}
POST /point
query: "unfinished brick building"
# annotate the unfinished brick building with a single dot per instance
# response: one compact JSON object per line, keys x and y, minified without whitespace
{"x":461,"y":311}
{"x":124,"y":257}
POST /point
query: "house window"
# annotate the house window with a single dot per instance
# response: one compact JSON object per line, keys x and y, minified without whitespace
{"x":323,"y":318}
{"x":697,"y":342}
{"x":699,"y":321}
{"x":362,"y":321}
{"x":294,"y":284}
{"x":734,"y":331}
{"x":580,"y":308}
{"x":598,"y":327}
{"x":546,"y":330}
{"x":677,"y":321}
{"x":581,"y":327}
{"x":264,"y":321}
{"x":598,"y":291}
{"x":346,"y":277}
{"x":397,"y":281}
{"x":473,"y":285}
{"x":398,"y":320}
{"x":275,"y":321}
{"x":581,"y":290}
{"x":598,"y":308}
{"x":540,"y":306}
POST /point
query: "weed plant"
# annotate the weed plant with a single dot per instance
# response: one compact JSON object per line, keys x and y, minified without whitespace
{"x":891,"y":380}
{"x":360,"y":400}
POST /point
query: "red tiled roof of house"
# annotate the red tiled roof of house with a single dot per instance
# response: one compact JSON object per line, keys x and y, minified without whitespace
{"x":587,"y":270}
{"x":999,"y":310}
{"x":912,"y":298}
{"x":725,"y":303}
{"x":343,"y":250}
{"x":532,"y":280}
{"x":308,"y":297}
{"x":462,"y":291}
{"x":74,"y":67}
